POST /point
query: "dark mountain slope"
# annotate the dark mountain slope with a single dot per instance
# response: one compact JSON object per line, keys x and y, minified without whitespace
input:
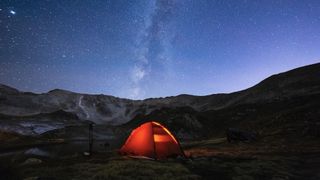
{"x":271,"y":103}
{"x":301,"y":81}
{"x":286,"y":105}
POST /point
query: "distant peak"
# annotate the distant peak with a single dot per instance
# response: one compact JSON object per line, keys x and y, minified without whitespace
{"x":59,"y":91}
{"x":184,"y":95}
{"x":7,"y":89}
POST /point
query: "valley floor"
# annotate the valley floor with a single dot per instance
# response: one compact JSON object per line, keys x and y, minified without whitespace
{"x":210,"y":159}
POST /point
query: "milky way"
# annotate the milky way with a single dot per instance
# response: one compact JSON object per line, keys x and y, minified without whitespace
{"x":140,"y":49}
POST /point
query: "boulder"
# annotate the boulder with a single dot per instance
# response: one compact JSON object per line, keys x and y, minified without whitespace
{"x":32,"y":161}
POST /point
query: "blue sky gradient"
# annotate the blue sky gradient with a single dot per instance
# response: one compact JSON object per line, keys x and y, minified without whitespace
{"x":140,"y":49}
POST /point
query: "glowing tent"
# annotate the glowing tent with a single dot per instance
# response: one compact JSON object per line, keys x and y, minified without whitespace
{"x":152,"y":140}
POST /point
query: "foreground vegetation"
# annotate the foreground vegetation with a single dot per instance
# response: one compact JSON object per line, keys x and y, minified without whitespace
{"x":211,"y":159}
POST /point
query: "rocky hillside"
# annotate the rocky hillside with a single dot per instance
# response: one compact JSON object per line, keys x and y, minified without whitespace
{"x":284,"y":107}
{"x":275,"y":101}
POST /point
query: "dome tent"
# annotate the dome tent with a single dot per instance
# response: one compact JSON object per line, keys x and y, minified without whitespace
{"x":152,"y":140}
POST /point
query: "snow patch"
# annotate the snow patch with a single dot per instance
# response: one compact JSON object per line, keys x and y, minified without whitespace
{"x":82,"y":107}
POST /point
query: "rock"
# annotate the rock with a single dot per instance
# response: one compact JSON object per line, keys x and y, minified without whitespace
{"x":86,"y":153}
{"x":32,"y":161}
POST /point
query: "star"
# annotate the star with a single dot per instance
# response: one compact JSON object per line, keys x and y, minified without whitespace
{"x":153,"y":48}
{"x":12,"y":12}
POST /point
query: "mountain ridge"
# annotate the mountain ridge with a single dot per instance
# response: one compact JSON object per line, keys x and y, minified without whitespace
{"x":110,"y":110}
{"x":311,"y":66}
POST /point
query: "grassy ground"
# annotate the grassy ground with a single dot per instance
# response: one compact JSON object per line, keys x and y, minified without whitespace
{"x":211,"y":159}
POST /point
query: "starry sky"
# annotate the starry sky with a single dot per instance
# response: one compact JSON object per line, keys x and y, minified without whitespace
{"x":153,"y":48}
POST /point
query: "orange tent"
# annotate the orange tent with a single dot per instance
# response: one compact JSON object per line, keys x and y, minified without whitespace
{"x":152,"y":140}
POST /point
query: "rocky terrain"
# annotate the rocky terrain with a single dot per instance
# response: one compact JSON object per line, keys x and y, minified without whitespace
{"x":286,"y":103}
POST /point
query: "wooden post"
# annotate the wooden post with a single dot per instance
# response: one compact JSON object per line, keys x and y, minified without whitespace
{"x":90,"y":137}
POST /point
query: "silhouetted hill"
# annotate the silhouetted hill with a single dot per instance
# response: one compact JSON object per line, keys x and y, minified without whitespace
{"x":285,"y":103}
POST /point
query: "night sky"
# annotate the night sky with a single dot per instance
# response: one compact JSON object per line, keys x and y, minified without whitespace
{"x":140,"y":49}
